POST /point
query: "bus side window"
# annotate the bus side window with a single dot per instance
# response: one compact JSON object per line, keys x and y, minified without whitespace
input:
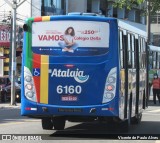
{"x":143,"y":53}
{"x":151,"y":59}
{"x":133,"y":51}
{"x":121,"y":42}
{"x":158,"y":60}
{"x":154,"y":60}
{"x":129,"y":51}
{"x":140,"y":52}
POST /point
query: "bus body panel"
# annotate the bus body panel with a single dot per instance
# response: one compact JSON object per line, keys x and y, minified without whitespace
{"x":88,"y":82}
{"x":58,"y":92}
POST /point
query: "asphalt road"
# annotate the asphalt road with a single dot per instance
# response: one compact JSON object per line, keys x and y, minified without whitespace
{"x":11,"y":122}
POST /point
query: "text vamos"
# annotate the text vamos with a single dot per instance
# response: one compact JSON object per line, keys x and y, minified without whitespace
{"x":50,"y":37}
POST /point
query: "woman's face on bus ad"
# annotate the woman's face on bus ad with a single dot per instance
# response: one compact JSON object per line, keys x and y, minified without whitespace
{"x":69,"y":31}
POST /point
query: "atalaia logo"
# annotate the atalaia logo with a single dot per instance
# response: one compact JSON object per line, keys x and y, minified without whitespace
{"x":77,"y":74}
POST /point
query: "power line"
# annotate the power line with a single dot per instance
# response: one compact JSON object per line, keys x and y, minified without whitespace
{"x":33,"y":5}
{"x":4,"y":15}
{"x":2,"y":4}
{"x":5,"y":12}
{"x":21,"y":15}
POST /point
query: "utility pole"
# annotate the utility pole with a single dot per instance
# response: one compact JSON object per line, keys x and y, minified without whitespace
{"x":13,"y":68}
{"x":14,"y":7}
{"x":147,"y":49}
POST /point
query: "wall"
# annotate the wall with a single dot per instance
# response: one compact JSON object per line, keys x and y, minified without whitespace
{"x":77,"y":5}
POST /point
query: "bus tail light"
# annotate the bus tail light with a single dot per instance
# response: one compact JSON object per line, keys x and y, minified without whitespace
{"x":29,"y":87}
{"x":110,"y":86}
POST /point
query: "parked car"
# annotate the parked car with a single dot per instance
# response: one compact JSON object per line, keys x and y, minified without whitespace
{"x":5,"y":92}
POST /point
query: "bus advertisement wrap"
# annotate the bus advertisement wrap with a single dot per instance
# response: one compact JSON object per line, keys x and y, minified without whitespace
{"x":78,"y":37}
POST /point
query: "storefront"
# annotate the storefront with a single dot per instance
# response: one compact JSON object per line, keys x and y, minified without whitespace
{"x":4,"y":50}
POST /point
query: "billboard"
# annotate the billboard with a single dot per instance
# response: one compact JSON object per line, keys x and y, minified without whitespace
{"x":70,"y":36}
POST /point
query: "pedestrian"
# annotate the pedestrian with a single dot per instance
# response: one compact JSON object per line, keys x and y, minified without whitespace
{"x":156,"y":88}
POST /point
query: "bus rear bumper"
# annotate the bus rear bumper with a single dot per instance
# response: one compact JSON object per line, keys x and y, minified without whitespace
{"x":42,"y":110}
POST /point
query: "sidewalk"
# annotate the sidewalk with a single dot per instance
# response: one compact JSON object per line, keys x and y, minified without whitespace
{"x":9,"y":106}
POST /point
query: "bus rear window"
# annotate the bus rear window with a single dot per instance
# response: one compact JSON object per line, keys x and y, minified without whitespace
{"x":70,"y":38}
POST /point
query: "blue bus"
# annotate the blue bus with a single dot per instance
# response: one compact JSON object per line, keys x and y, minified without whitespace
{"x":83,"y":68}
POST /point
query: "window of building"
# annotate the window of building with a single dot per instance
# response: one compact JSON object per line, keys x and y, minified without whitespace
{"x":158,"y":18}
{"x":154,"y":19}
{"x":156,"y":39}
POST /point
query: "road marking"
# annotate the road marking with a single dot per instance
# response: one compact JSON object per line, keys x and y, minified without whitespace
{"x":157,"y":141}
{"x":20,"y":122}
{"x":154,"y":114}
{"x":154,"y":111}
{"x":12,"y":123}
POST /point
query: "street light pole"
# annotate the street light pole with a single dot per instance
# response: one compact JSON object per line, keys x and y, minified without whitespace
{"x":13,"y":68}
{"x":14,"y":6}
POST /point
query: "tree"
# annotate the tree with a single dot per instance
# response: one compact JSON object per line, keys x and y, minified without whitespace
{"x":155,"y":4}
{"x":127,"y":3}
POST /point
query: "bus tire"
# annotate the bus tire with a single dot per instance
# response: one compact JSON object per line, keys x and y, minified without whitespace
{"x":47,"y":123}
{"x":126,"y":124}
{"x":59,"y":122}
{"x":136,"y":119}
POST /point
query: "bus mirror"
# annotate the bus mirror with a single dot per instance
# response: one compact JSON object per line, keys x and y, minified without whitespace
{"x":25,"y":27}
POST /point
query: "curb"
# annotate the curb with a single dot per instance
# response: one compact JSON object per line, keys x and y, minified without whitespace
{"x":7,"y":106}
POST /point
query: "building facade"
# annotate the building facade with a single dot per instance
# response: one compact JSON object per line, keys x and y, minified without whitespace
{"x":155,"y":29}
{"x":33,"y":8}
{"x":56,"y":7}
{"x":59,"y":7}
{"x":23,"y":12}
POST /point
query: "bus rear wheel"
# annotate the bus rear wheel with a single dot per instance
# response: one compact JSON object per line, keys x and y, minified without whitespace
{"x":47,"y":123}
{"x":136,"y":119}
{"x":59,"y":122}
{"x":127,"y":123}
